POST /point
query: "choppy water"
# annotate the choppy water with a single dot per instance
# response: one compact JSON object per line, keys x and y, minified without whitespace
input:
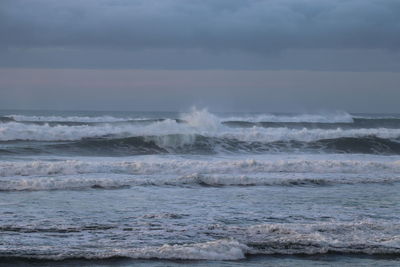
{"x":148,"y":188}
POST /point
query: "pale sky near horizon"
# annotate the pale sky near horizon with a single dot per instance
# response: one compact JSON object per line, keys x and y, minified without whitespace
{"x":246,"y":55}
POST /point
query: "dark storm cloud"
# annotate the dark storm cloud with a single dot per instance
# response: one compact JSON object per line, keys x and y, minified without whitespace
{"x":34,"y":32}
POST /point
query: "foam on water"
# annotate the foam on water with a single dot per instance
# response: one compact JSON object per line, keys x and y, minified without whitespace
{"x":212,"y":250}
{"x":158,"y":171}
{"x":365,"y":237}
{"x":148,"y":166}
{"x":78,"y":182}
{"x":201,"y":119}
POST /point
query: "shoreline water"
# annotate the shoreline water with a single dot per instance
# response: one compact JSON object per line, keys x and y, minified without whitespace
{"x":253,"y":260}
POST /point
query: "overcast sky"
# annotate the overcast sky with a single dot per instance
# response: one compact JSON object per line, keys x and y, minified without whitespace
{"x":249,"y":55}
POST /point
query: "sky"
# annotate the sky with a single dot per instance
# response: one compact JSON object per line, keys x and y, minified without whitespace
{"x":227,"y":55}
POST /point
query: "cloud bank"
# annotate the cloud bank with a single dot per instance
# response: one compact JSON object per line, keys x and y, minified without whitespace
{"x":227,"y":34}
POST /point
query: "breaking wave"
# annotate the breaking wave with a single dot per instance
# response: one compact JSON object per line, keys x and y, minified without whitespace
{"x":76,"y":175}
{"x":236,"y":243}
{"x":198,"y":122}
{"x":197,"y":132}
{"x":187,"y":166}
{"x":212,"y":250}
{"x":367,"y":236}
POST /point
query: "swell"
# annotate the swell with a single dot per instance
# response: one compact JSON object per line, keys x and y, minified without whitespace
{"x":198,"y":144}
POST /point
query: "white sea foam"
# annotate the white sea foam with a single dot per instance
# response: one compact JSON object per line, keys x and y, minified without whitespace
{"x":257,"y":134}
{"x":363,"y":236}
{"x":83,"y":174}
{"x":121,"y":182}
{"x":366,"y":236}
{"x":223,"y":249}
{"x":187,"y":167}
{"x":201,"y":119}
{"x":60,"y":183}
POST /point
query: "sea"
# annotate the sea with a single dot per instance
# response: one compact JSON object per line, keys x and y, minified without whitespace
{"x":198,"y":188}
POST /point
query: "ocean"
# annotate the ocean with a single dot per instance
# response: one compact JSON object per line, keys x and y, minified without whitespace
{"x":199,"y":188}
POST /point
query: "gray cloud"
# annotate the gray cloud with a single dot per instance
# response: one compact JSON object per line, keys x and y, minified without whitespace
{"x":262,"y":34}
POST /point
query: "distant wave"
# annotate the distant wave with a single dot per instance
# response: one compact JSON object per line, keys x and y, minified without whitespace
{"x":392,"y":123}
{"x":195,"y":114}
{"x":335,"y":117}
{"x":26,"y":118}
{"x":77,"y":121}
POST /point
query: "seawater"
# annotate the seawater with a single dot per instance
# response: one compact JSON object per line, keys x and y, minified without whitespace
{"x":224,"y":189}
